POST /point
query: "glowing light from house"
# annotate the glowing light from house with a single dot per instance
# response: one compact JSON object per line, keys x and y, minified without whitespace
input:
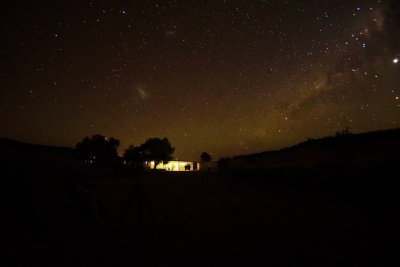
{"x":174,"y":165}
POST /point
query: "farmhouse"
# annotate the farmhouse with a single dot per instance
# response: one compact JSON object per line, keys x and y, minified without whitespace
{"x":175,"y":165}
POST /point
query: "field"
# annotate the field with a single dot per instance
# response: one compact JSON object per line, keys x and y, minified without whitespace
{"x":321,"y":218}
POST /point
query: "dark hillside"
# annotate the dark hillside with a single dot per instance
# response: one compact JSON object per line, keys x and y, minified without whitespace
{"x":325,"y":202}
{"x":352,"y":150}
{"x":23,"y":154}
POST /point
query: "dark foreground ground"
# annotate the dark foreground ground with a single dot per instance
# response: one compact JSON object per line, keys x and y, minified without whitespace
{"x":332,"y":217}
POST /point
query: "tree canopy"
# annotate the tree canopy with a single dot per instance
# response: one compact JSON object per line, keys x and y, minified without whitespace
{"x":98,"y":149}
{"x":134,"y":156}
{"x":157,"y":150}
{"x":205,"y":157}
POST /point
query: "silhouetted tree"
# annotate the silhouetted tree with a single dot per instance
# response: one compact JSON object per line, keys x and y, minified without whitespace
{"x":205,"y":157}
{"x":134,"y":156}
{"x":98,"y":149}
{"x":157,"y":150}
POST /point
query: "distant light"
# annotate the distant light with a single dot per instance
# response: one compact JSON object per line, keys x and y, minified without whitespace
{"x":395,"y":60}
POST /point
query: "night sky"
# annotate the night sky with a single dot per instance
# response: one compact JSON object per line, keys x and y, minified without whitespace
{"x":226,"y":77}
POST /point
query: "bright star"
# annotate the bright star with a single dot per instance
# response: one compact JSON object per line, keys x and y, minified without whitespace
{"x":395,"y":60}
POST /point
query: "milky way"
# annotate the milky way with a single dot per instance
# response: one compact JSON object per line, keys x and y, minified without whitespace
{"x":226,"y":77}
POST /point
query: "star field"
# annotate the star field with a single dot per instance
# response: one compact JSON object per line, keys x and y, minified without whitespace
{"x":226,"y":77}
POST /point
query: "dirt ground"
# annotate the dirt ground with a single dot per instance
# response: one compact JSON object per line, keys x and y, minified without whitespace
{"x":204,"y":219}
